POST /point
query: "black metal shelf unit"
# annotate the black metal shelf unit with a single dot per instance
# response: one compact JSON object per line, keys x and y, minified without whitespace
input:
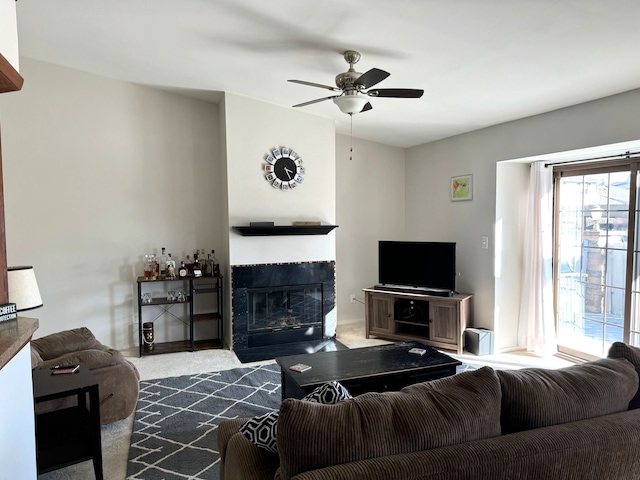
{"x":195,"y":286}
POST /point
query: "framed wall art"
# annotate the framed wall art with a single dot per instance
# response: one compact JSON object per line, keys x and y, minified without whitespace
{"x":461,"y":188}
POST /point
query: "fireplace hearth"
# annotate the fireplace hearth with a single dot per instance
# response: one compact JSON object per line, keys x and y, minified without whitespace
{"x":282,"y":307}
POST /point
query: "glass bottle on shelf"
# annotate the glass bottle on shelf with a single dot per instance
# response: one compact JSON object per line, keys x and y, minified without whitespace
{"x":197,"y":266}
{"x":208,"y":269}
{"x":215,"y":265}
{"x":163,"y":262}
{"x":150,"y":266}
{"x":171,"y":268}
{"x":183,"y":269}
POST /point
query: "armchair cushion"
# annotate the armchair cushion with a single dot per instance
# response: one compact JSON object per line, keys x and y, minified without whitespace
{"x":92,"y":359}
{"x":36,"y":359}
{"x":57,"y":344}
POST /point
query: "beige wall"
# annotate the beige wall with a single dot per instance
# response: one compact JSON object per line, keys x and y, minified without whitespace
{"x":253,"y":129}
{"x":97,"y":173}
{"x":9,"y":32}
{"x":431,"y":215}
{"x":370,"y":199}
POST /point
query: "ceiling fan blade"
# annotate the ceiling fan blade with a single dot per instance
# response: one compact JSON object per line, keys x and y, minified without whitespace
{"x":396,"y":92}
{"x":319,"y":85}
{"x":310,"y":102}
{"x":371,"y":78}
{"x":367,"y":107}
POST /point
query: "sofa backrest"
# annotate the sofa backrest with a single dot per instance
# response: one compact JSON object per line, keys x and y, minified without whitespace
{"x":536,"y":397}
{"x":456,"y":409}
{"x":632,"y":354}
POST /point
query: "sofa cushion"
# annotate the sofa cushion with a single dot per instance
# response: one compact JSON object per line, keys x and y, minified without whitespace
{"x":57,"y":344}
{"x":262,"y":430}
{"x":36,"y":359}
{"x":622,"y":350}
{"x":456,"y":409}
{"x":536,"y":397}
{"x":92,"y":359}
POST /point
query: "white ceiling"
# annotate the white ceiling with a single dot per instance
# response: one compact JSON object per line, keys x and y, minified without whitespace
{"x":480,"y":62}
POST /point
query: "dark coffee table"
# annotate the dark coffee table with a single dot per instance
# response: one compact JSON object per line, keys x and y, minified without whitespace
{"x":369,"y":369}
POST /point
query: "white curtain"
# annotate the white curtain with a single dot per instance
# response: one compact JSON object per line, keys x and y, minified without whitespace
{"x":536,"y":329}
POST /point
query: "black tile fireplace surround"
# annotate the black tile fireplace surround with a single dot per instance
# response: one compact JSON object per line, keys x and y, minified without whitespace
{"x":281,"y":309}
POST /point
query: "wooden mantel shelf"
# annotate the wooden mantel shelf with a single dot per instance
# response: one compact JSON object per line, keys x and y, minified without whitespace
{"x":284,"y":230}
{"x":10,"y":79}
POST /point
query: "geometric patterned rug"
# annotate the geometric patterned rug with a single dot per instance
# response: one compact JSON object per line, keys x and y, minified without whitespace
{"x":176,"y":423}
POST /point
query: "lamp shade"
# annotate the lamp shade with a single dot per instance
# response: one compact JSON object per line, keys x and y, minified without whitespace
{"x":350,"y":103}
{"x":23,"y":288}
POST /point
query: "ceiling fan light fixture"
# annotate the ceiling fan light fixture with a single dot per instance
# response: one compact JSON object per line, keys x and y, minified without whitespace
{"x":350,"y":104}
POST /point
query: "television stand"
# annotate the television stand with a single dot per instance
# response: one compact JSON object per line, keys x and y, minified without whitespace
{"x":436,"y":292}
{"x":442,"y":325}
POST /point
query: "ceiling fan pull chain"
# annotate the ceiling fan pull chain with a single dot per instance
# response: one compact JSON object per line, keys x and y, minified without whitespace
{"x":351,"y":149}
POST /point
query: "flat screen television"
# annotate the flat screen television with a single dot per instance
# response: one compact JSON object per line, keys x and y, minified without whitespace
{"x":430,"y":265}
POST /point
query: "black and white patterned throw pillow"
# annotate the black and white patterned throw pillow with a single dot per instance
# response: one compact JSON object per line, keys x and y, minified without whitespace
{"x":262,"y":430}
{"x":329,"y":393}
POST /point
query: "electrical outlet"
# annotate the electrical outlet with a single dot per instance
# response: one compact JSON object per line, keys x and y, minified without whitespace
{"x":353,"y":297}
{"x":485,"y":242}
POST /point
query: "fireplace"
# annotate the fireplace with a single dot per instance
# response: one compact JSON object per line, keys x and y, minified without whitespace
{"x":275,"y":305}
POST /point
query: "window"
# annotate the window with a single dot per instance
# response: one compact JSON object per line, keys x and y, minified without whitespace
{"x":597,"y":260}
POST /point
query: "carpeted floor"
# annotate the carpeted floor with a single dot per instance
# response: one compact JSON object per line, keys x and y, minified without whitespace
{"x":175,"y":427}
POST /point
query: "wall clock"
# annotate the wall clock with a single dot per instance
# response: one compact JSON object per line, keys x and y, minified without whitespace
{"x":284,"y":169}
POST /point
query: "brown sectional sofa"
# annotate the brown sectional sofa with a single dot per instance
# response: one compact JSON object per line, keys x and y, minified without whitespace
{"x":571,"y":423}
{"x":118,"y":379}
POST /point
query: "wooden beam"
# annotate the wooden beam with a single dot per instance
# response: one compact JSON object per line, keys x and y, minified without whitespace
{"x":10,"y":79}
{"x":4,"y":284}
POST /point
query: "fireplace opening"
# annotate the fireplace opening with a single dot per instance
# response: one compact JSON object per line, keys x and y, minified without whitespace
{"x":281,"y":308}
{"x":283,"y":314}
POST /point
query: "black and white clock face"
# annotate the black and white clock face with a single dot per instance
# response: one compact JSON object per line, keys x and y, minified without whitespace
{"x":284,"y":169}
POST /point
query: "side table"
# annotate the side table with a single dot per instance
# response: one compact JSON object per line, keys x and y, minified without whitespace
{"x":70,"y":435}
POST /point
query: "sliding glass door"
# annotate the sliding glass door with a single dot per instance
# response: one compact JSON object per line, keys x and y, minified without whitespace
{"x":597,"y":296}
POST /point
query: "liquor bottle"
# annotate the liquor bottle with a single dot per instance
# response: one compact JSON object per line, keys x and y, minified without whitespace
{"x":197,"y":266}
{"x":189,"y":265}
{"x":183,"y":270}
{"x":150,"y":267}
{"x":216,"y":265}
{"x":171,"y":268}
{"x":208,"y":269}
{"x":163,"y":262}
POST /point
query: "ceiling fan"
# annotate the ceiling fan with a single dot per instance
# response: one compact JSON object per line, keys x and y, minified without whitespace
{"x":355,"y":88}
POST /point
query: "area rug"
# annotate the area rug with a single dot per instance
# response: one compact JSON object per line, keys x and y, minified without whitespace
{"x":176,"y":423}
